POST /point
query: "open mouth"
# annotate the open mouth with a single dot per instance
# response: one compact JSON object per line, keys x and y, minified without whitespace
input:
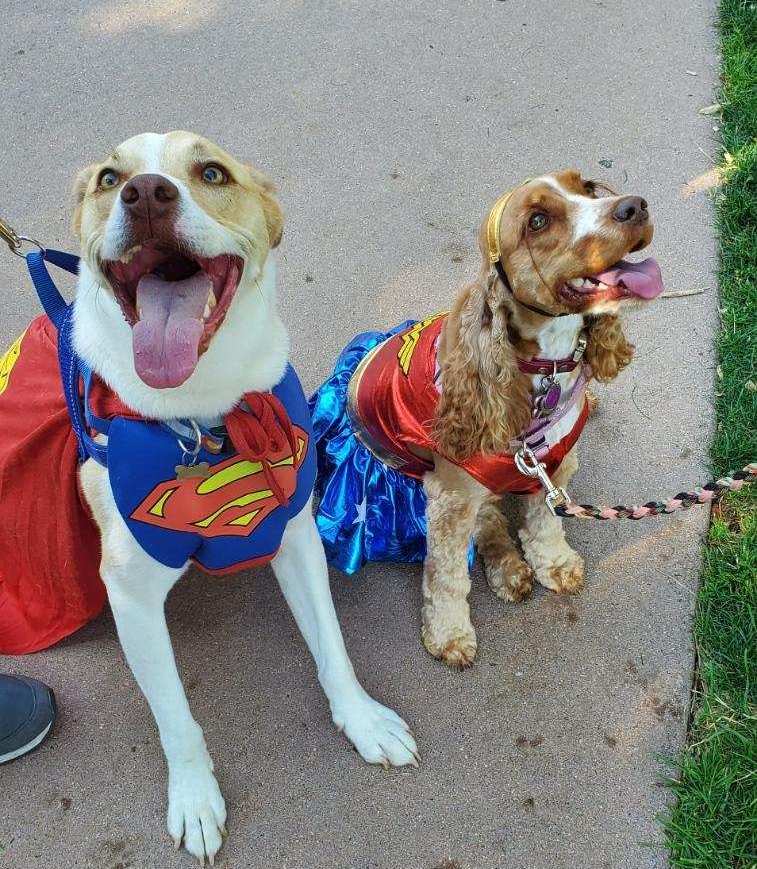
{"x":624,"y":280}
{"x":174,"y":300}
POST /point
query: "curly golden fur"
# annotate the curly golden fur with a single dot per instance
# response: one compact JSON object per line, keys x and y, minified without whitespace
{"x":608,"y":351}
{"x":485,"y":400}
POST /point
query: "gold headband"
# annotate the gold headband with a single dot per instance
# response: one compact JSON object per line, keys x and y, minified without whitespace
{"x":494,"y":220}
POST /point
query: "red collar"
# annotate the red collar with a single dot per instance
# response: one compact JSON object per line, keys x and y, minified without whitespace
{"x":554,"y":366}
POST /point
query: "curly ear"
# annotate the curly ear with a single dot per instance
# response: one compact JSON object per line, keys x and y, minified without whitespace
{"x":81,"y":182}
{"x":485,"y":398}
{"x":608,"y":351}
{"x":274,"y":216}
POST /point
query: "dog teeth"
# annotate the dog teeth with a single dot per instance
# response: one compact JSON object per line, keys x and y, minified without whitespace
{"x":576,"y":283}
{"x":209,"y":305}
{"x":602,"y":286}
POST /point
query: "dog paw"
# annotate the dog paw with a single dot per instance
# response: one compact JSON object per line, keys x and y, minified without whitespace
{"x":565,"y":575}
{"x":456,"y":648}
{"x":511,"y":579}
{"x":592,"y":399}
{"x":196,"y":809}
{"x":377,"y":732}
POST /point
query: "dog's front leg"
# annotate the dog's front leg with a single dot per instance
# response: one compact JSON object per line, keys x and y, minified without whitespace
{"x":378,"y":733}
{"x":508,"y":575}
{"x":446,"y":629}
{"x":555,"y":564}
{"x":137,"y":587}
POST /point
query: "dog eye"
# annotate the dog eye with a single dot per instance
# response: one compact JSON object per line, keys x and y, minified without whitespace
{"x":538,"y":221}
{"x":108,"y":179}
{"x":213,"y":174}
{"x":591,"y":189}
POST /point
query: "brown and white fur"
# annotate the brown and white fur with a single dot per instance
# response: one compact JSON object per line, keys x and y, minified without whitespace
{"x":486,"y":401}
{"x":231,"y":211}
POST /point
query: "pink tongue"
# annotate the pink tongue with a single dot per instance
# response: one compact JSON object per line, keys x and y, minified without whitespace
{"x":166,"y":338}
{"x":642,"y":279}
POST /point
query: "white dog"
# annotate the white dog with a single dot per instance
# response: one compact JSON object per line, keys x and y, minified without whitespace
{"x":176,"y":209}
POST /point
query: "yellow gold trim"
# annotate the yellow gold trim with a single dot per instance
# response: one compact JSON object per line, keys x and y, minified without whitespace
{"x":494,"y":220}
{"x":8,"y":360}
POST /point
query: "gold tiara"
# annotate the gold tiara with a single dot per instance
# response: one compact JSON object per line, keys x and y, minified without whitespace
{"x":494,"y":220}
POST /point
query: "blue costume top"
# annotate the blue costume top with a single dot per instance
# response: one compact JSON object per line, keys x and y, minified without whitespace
{"x":220,"y":497}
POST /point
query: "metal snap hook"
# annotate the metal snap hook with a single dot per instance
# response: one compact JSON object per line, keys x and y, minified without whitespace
{"x":15,"y":241}
{"x":190,"y":454}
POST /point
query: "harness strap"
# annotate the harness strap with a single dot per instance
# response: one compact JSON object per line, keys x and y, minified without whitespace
{"x":71,"y":366}
{"x":54,"y":304}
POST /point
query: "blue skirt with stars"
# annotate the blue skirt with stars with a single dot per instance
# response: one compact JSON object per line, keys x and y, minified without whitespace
{"x":367,"y":511}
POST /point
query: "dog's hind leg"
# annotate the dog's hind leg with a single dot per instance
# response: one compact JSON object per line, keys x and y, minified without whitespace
{"x":555,"y":564}
{"x":378,"y":733}
{"x":137,"y":587}
{"x":508,"y":575}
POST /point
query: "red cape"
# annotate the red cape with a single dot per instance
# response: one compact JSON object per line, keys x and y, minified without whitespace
{"x":49,"y":545}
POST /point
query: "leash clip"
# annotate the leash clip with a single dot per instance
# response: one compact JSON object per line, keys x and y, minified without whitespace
{"x":528,"y":465}
{"x":580,"y":348}
{"x":15,"y":241}
{"x":189,"y":466}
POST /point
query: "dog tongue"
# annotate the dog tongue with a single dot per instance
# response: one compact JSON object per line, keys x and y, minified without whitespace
{"x":642,"y":279}
{"x":166,"y":339}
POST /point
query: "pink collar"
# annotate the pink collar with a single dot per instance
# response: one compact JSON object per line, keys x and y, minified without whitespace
{"x":554,"y":366}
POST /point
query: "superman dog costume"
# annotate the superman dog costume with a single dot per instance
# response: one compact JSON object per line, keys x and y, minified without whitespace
{"x":223,"y":502}
{"x":377,"y":405}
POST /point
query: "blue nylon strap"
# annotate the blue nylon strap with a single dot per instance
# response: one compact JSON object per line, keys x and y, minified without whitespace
{"x":72,"y":369}
{"x":54,"y":304}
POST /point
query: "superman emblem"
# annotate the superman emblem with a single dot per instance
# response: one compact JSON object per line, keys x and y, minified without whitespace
{"x":233,"y":500}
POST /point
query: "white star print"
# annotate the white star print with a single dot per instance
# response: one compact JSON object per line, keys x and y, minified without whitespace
{"x":361,"y":509}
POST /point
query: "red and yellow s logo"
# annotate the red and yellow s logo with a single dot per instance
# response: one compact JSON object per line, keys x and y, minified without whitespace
{"x":234,"y":499}
{"x":7,"y":362}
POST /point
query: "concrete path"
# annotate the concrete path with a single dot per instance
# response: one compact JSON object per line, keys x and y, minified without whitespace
{"x":389,"y":127}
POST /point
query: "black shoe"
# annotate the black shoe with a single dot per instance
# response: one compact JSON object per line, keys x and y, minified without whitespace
{"x":27,"y":713}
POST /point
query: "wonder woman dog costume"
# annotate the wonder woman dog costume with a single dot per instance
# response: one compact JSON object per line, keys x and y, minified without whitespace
{"x":378,"y":405}
{"x":377,"y":409}
{"x":220,"y":497}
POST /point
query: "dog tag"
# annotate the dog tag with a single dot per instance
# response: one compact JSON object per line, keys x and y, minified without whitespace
{"x":185,"y":472}
{"x":545,"y":402}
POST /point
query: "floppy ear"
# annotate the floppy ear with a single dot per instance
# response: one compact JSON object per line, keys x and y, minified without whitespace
{"x":485,"y":397}
{"x":608,"y":351}
{"x":274,"y":216}
{"x":81,"y":182}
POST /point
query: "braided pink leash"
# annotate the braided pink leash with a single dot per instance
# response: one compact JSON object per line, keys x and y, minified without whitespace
{"x":682,"y":501}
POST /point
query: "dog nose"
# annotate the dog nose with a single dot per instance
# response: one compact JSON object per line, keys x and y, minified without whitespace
{"x":631,"y":209}
{"x":149,"y":196}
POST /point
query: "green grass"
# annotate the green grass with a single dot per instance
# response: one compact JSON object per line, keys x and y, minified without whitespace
{"x":713,"y":822}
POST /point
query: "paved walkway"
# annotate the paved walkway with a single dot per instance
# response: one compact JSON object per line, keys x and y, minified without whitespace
{"x":389,"y":127}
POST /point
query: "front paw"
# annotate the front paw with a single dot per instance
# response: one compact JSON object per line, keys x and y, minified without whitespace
{"x":377,"y":732}
{"x":510,"y":578}
{"x":565,"y":574}
{"x":454,"y":644}
{"x":196,"y":809}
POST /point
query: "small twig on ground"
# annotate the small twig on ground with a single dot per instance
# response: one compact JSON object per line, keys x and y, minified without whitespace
{"x":678,"y":294}
{"x":633,"y":399}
